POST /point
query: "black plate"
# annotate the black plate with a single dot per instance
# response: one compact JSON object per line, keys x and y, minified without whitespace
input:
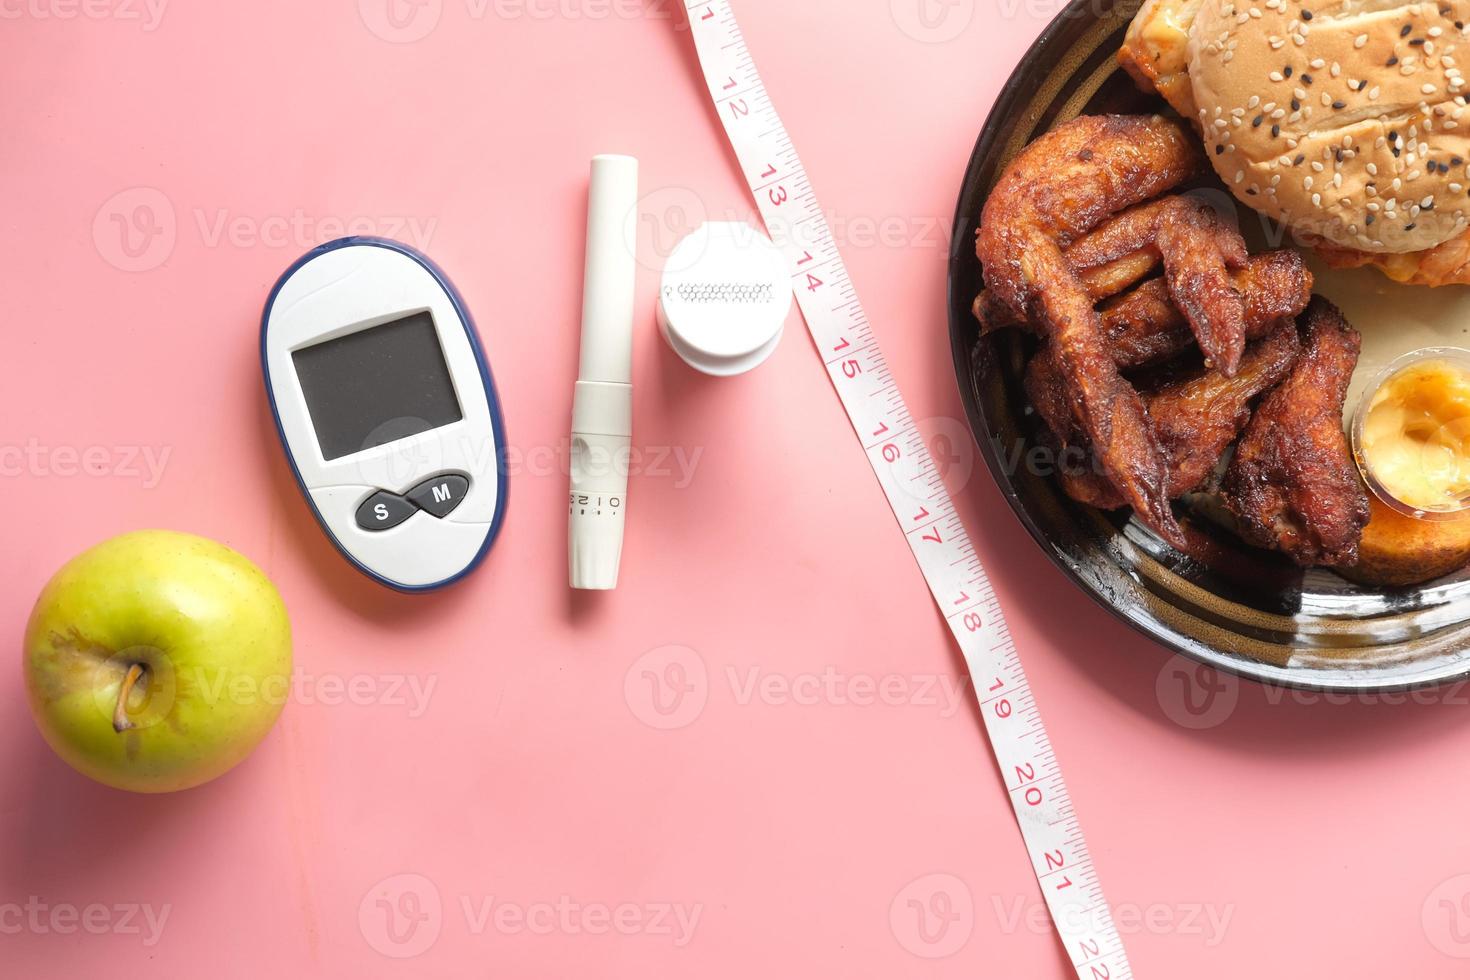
{"x":1249,"y":612}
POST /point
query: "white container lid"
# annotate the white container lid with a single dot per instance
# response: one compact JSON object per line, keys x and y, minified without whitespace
{"x":724,"y":298}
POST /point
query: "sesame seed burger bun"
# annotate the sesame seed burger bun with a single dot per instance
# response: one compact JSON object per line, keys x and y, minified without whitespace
{"x":1342,"y":119}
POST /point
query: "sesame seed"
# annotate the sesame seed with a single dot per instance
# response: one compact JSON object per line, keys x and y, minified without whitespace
{"x":1339,"y":104}
{"x":1360,"y":40}
{"x":1392,"y":61}
{"x":1435,"y":31}
{"x":1418,"y":42}
{"x":1406,"y":30}
{"x":1427,"y":89}
{"x":1306,"y":79}
{"x":1275,"y":132}
{"x":1298,"y":161}
{"x":1276,"y":76}
{"x":1307,"y":15}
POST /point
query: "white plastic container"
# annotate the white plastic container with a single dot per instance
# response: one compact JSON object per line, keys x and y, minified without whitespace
{"x":724,"y":298}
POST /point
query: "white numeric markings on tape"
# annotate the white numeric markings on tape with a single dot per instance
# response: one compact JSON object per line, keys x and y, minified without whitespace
{"x":912,"y":483}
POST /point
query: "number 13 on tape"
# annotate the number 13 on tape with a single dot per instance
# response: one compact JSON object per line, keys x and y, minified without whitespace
{"x":910,"y":480}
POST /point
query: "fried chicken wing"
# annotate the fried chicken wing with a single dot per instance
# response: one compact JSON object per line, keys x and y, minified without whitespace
{"x":1292,"y":484}
{"x":1197,"y":418}
{"x":1116,"y":275}
{"x":1197,"y":249}
{"x":1060,"y":187}
{"x":1145,"y":327}
{"x":1195,"y":268}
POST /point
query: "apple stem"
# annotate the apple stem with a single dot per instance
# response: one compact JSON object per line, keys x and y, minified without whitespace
{"x":120,"y":720}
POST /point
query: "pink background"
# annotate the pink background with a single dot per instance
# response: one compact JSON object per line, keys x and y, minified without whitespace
{"x":1237,"y":831}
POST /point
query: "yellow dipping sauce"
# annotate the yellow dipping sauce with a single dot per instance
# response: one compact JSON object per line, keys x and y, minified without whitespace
{"x":1415,"y":435}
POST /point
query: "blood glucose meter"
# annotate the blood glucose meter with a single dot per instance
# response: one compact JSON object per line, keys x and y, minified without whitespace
{"x":386,"y":409}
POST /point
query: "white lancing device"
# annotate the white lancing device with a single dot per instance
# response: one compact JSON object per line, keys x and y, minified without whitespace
{"x":916,"y":494}
{"x":602,"y":407}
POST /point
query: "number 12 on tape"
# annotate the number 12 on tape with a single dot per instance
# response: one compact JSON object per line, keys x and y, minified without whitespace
{"x":915,"y":491}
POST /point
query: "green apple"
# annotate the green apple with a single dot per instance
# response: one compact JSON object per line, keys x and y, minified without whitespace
{"x":157,"y":661}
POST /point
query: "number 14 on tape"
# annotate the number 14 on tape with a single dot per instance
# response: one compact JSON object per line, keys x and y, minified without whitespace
{"x":915,"y":491}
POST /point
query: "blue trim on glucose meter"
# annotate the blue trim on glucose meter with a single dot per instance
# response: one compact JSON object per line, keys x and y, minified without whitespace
{"x":497,"y":422}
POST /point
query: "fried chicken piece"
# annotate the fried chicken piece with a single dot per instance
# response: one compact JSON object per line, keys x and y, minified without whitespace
{"x":1292,"y":484}
{"x":1145,"y":327}
{"x":1060,"y":187}
{"x":1197,"y":249}
{"x":1111,"y":278}
{"x":1197,"y":418}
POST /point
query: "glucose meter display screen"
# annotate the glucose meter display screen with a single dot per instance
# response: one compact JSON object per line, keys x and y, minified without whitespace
{"x":377,"y":386}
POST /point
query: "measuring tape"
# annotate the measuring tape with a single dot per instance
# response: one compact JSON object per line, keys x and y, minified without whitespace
{"x":910,"y":480}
